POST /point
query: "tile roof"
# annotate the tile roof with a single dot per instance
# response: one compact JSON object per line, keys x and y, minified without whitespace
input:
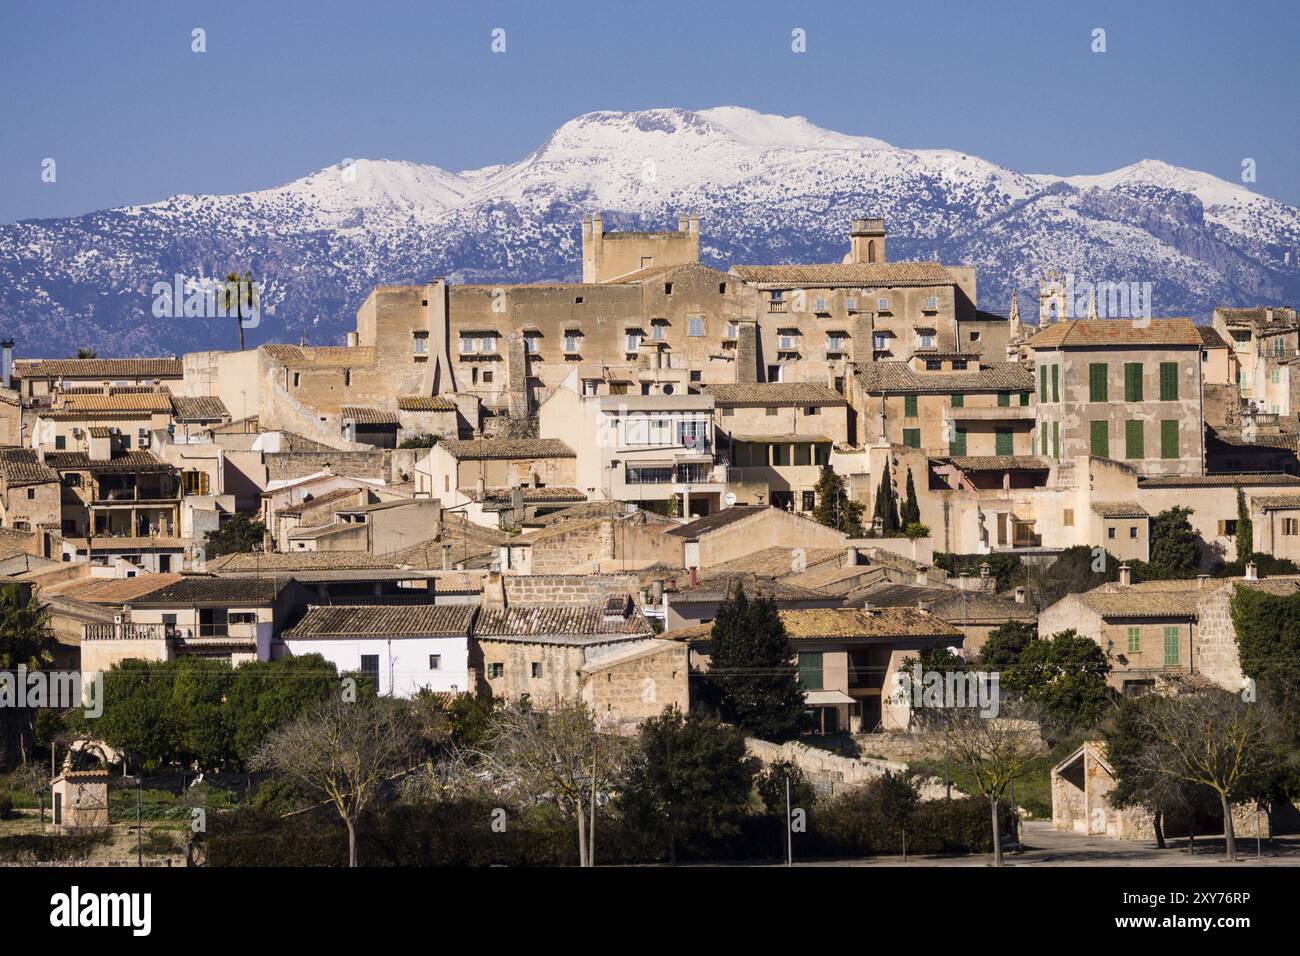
{"x":1279,"y":585}
{"x":1085,"y":333}
{"x":199,"y":408}
{"x":329,"y":497}
{"x":998,"y":462}
{"x":719,"y":519}
{"x":778,"y":560}
{"x":425,"y":403}
{"x":717,"y":586}
{"x":121,"y":590}
{"x":896,"y":376}
{"x":591,"y":509}
{"x":1276,"y":502}
{"x":99,"y":368}
{"x":322,"y":356}
{"x":848,"y":274}
{"x":288,"y":562}
{"x":382,"y":620}
{"x":530,"y":495}
{"x":22,"y":466}
{"x":1145,"y":599}
{"x":492,"y":448}
{"x":1229,"y":479}
{"x":1211,"y":338}
{"x":1120,"y":509}
{"x":953,"y":605}
{"x":92,"y":402}
{"x":522,"y":622}
{"x":879,"y":623}
{"x":773,"y":394}
{"x":214,"y":590}
{"x":364,"y":415}
{"x":135,"y":460}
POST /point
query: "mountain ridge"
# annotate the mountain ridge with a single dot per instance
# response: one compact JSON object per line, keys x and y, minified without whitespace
{"x":768,"y":188}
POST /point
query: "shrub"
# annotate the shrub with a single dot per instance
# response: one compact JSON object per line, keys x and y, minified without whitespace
{"x":6,"y":805}
{"x":43,"y":848}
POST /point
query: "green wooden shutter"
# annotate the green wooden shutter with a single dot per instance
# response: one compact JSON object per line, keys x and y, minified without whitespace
{"x":810,"y":670}
{"x":1168,"y":381}
{"x":1097,"y":372}
{"x":1056,"y":439}
{"x":957,"y":444}
{"x":1134,"y":443}
{"x":1171,"y":646}
{"x":1135,"y":640}
{"x":1132,"y":381}
{"x":1099,"y":435}
{"x":1005,"y":441}
{"x":1169,"y":438}
{"x":958,"y":400}
{"x":1056,"y":383}
{"x":1004,"y":399}
{"x":912,"y":437}
{"x":909,"y":406}
{"x":1042,"y":383}
{"x":1024,"y":399}
{"x":1042,"y":444}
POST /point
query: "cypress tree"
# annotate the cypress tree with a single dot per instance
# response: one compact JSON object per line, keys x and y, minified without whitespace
{"x":1245,"y":530}
{"x":753,"y":667}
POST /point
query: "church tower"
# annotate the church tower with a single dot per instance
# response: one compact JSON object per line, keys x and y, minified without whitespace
{"x":1053,"y":306}
{"x":1015,"y":327}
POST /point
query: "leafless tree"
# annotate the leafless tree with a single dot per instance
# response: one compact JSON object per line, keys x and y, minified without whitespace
{"x":995,"y":750}
{"x":345,"y":752}
{"x":32,"y":779}
{"x":1211,"y":738}
{"x":557,"y":755}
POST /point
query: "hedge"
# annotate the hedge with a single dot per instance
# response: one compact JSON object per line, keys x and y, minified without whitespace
{"x":43,"y":848}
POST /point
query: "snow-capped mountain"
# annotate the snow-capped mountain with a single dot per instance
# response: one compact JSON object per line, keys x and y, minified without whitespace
{"x":769,"y":189}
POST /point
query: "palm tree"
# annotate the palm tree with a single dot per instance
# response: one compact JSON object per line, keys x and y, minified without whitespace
{"x":236,"y":293}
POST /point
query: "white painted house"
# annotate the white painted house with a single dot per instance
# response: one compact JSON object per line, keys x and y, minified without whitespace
{"x":402,"y":647}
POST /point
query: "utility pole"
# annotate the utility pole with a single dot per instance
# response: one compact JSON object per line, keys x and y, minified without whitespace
{"x":139,"y":853}
{"x":591,"y":836}
{"x":789,"y":827}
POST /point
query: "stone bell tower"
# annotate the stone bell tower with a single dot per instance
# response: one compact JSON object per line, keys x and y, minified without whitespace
{"x":1053,"y":304}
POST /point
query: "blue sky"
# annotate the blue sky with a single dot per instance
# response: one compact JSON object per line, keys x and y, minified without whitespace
{"x":114,"y":94}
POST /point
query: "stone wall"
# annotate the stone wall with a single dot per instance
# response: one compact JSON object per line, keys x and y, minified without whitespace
{"x":630,"y":686}
{"x":1215,"y":644}
{"x":525,"y":589}
{"x":834,"y":773}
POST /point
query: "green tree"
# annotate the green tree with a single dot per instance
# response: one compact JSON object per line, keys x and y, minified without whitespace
{"x":265,"y":695}
{"x":886,"y":510}
{"x":238,"y":533}
{"x":1005,"y":644}
{"x":135,"y":717}
{"x":834,"y":508}
{"x":1175,"y":545}
{"x":899,"y":798}
{"x":690,"y":779}
{"x":752,"y":665}
{"x":911,"y":512}
{"x":770,"y":784}
{"x":1064,"y":678}
{"x":238,"y":297}
{"x":1076,"y":569}
{"x":197,"y":710}
{"x":1245,"y":530}
{"x":1268,"y":645}
{"x":86,"y":353}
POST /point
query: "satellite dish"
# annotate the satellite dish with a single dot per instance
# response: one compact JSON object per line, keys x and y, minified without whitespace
{"x":729,"y":498}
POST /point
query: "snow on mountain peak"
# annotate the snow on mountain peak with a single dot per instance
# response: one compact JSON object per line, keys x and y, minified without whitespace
{"x":764,"y":131}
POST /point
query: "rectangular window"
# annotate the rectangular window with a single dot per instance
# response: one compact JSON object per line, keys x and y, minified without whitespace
{"x":932,"y":302}
{"x":695,"y":325}
{"x":909,"y":406}
{"x":60,"y":442}
{"x":809,"y":500}
{"x":1097,"y":382}
{"x":496,"y":670}
{"x":1169,"y":438}
{"x":435,"y":662}
{"x":370,"y":669}
{"x":419,"y":342}
{"x":1290,"y":526}
{"x":1042,"y":384}
{"x":882,"y":305}
{"x":1004,"y":399}
{"x":658,"y":331}
{"x":810,"y":670}
{"x":1005,"y":441}
{"x":834,"y":342}
{"x":912,"y":437}
{"x":571,"y":341}
{"x":927,"y":340}
{"x":1135,"y":640}
{"x":819,"y":305}
{"x":957,"y":444}
{"x":1134,"y":446}
{"x":1171,"y":646}
{"x":729,"y":332}
{"x":1024,"y":399}
{"x":633,"y":341}
{"x":1275,"y":376}
{"x":787,"y":342}
{"x":1132,"y":381}
{"x":1099,"y":439}
{"x":1168,"y":381}
{"x":880,"y":342}
{"x":536,"y":668}
{"x":958,"y":400}
{"x":1067,"y":518}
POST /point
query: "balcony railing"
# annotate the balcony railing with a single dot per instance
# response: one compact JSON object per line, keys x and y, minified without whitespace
{"x":126,"y":632}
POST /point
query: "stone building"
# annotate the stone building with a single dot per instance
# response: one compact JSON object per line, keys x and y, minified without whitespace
{"x":466,"y":473}
{"x":36,"y":379}
{"x":1128,"y":389}
{"x":741,"y":530}
{"x":1262,"y":339}
{"x":30,"y":494}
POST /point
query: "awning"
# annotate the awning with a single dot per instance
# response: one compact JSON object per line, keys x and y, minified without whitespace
{"x":826,"y":698}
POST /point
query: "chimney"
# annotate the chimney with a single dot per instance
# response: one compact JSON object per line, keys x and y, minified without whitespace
{"x":1202,"y":580}
{"x":922,"y":579}
{"x":494,"y":590}
{"x":867,"y":609}
{"x":446,"y":557}
{"x":480,"y":489}
{"x":985,"y":568}
{"x":963,"y":581}
{"x":1021,"y":594}
{"x":695,"y":225}
{"x":327,"y":468}
{"x":353,"y":340}
{"x":695,"y":577}
{"x":684,"y":223}
{"x":1251,"y":574}
{"x":1125,"y":576}
{"x":867,"y":241}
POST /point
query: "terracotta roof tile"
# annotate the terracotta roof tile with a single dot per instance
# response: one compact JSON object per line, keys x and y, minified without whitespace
{"x":199,"y":408}
{"x":999,"y":462}
{"x":193,"y":590}
{"x":364,"y":415}
{"x":21,"y":466}
{"x":1120,"y":509}
{"x":99,"y":368}
{"x":493,"y":448}
{"x":854,"y":622}
{"x":540,"y":621}
{"x":773,"y":394}
{"x":1086,"y":333}
{"x":864,"y":274}
{"x":894,"y":376}
{"x":380,"y":620}
{"x":425,"y":403}
{"x":1244,"y":479}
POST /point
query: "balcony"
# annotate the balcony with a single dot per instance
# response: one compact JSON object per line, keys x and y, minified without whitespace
{"x":127,"y":632}
{"x":777,"y":306}
{"x":999,"y":413}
